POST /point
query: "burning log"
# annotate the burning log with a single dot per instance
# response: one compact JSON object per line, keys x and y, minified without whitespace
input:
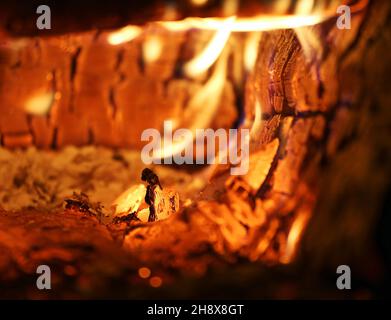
{"x":64,"y":101}
{"x":79,"y":249}
{"x":149,"y":203}
{"x":307,"y":110}
{"x":312,"y":115}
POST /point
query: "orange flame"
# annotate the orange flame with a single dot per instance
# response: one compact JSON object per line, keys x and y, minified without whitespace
{"x":123,"y":35}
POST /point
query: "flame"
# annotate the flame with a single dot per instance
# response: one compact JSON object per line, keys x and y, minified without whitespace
{"x":251,"y":50}
{"x":294,"y":236}
{"x":144,"y":272}
{"x":207,"y":99}
{"x":304,"y":6}
{"x":257,"y":124}
{"x":308,"y":38}
{"x":259,"y":23}
{"x":123,"y":35}
{"x":211,"y":52}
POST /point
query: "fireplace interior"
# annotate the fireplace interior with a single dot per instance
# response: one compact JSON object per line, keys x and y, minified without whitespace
{"x":74,"y":103}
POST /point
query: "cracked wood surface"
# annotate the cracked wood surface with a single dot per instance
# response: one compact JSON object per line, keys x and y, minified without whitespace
{"x":95,"y":93}
{"x":332,"y":166}
{"x":324,"y":141}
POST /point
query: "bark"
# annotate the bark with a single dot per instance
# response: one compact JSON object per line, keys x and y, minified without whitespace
{"x":327,"y":106}
{"x":325,"y":146}
{"x":96,"y":93}
{"x":79,"y":251}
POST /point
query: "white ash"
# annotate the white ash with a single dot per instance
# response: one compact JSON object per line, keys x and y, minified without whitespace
{"x":43,"y":179}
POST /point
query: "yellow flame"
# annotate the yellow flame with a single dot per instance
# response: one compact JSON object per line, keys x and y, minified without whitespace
{"x":123,"y":35}
{"x":259,"y":23}
{"x":209,"y":55}
{"x":257,"y":124}
{"x":294,"y":236}
{"x":152,"y":49}
{"x":207,"y":99}
{"x":304,"y":6}
{"x":251,"y":50}
{"x":307,"y":13}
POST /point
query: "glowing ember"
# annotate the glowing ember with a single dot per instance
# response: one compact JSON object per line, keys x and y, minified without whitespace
{"x":144,"y":272}
{"x":130,"y":200}
{"x":207,"y":99}
{"x":156,"y":282}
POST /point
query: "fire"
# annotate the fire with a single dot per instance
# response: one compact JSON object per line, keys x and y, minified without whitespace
{"x":225,"y":26}
{"x":123,"y":35}
{"x":208,"y":95}
{"x":304,"y":7}
{"x":215,"y":56}
{"x":294,"y":235}
{"x":144,"y":272}
{"x":216,"y":52}
{"x":251,"y":50}
{"x":259,"y":23}
{"x":256,"y":126}
{"x":212,"y":51}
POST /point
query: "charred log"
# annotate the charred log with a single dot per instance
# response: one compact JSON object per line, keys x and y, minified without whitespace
{"x":324,"y":108}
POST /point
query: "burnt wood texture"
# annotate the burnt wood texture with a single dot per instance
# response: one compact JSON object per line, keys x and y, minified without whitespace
{"x":325,"y":142}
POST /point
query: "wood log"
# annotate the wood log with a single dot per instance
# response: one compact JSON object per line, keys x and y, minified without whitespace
{"x":327,"y":177}
{"x":79,"y":250}
{"x":325,"y":126}
{"x":78,"y":89}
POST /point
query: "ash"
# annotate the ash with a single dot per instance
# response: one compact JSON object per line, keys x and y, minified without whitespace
{"x":42,"y":179}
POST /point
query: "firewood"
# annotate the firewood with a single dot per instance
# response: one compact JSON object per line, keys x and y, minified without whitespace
{"x":327,"y":174}
{"x":64,"y":101}
{"x":298,"y":182}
